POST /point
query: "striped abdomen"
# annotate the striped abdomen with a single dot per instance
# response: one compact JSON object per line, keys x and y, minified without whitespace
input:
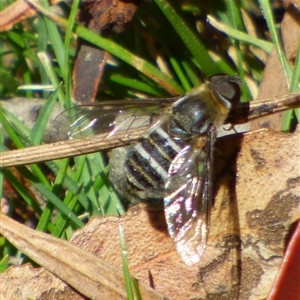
{"x":145,"y":167}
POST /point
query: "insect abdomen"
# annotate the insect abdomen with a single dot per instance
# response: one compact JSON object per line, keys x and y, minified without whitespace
{"x":145,"y":167}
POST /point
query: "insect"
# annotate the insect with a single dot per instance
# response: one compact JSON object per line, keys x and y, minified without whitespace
{"x":172,"y":161}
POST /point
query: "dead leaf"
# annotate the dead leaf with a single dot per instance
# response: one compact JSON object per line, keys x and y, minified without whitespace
{"x":87,"y":73}
{"x":89,"y":275}
{"x":274,"y":83}
{"x":34,"y":281}
{"x":267,"y":202}
{"x":112,"y":14}
{"x":17,"y":12}
{"x":254,"y":208}
{"x":101,"y":17}
{"x":287,"y":3}
{"x":267,"y":189}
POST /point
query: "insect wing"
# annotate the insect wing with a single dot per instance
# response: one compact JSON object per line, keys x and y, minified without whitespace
{"x":114,"y":117}
{"x":187,"y":206}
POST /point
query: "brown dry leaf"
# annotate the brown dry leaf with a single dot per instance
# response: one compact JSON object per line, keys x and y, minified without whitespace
{"x":34,"y":282}
{"x":287,"y":3}
{"x":16,"y":12}
{"x":255,"y":215}
{"x":267,"y":190}
{"x":101,"y":17}
{"x":256,"y":203}
{"x":87,"y":73}
{"x":89,"y":275}
{"x":274,"y":83}
{"x":112,"y":14}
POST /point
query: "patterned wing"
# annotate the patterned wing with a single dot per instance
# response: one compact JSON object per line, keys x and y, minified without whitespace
{"x":188,"y":204}
{"x":113,"y":117}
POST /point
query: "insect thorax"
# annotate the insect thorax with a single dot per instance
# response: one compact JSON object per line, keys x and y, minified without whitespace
{"x":139,"y":172}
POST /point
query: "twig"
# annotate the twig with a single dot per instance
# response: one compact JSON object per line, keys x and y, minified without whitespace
{"x":244,"y":113}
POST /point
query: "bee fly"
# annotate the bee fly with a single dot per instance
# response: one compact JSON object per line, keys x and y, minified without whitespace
{"x":172,"y":162}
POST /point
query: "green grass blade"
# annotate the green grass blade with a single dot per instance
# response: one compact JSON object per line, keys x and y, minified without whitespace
{"x":22,"y":190}
{"x":41,"y":122}
{"x":139,"y":64}
{"x":236,"y":20}
{"x":48,"y":66}
{"x":241,"y":36}
{"x":134,"y":84}
{"x":72,"y":185}
{"x":287,"y":116}
{"x":192,"y":42}
{"x":58,"y":204}
{"x":9,"y":130}
{"x":127,"y":276}
{"x":55,"y":40}
{"x":47,"y":212}
{"x":68,"y":36}
{"x":268,"y":14}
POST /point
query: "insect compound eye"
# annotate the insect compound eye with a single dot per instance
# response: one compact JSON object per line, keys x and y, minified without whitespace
{"x":227,"y":87}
